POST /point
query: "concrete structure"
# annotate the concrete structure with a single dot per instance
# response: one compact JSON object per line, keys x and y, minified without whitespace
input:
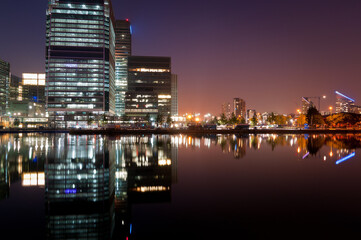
{"x":149,"y":87}
{"x":123,"y":49}
{"x":80,"y":49}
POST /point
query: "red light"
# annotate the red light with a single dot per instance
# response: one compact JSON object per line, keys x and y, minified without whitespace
{"x":127,"y":20}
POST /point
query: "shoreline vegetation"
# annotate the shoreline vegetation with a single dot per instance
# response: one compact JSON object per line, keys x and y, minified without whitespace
{"x":185,"y":131}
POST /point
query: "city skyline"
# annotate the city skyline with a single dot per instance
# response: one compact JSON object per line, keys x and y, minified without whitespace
{"x":268,"y":54}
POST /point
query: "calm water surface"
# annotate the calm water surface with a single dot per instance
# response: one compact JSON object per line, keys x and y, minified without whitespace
{"x":180,"y":187}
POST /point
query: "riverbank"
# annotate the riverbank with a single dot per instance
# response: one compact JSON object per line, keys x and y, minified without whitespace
{"x":182,"y":131}
{"x":206,"y":131}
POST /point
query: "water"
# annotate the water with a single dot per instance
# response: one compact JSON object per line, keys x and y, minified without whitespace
{"x":180,"y":187}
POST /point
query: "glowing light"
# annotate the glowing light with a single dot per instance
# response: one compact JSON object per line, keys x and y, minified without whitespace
{"x":164,"y":96}
{"x":345,"y":158}
{"x":70,"y":191}
{"x":342,"y":95}
{"x":308,"y":153}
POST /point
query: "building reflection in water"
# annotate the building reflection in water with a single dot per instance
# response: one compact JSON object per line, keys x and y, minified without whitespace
{"x":79,"y":188}
{"x":91,"y":182}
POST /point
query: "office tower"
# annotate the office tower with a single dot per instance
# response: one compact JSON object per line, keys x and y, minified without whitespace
{"x":149,"y":87}
{"x":33,"y":87}
{"x":344,"y":103}
{"x":123,"y":49}
{"x":174,"y":93}
{"x":80,"y":48}
{"x":239,"y":108}
{"x":226,"y":109}
{"x":4,"y":86}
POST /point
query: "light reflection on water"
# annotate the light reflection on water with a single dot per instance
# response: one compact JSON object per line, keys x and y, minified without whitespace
{"x":92,"y":184}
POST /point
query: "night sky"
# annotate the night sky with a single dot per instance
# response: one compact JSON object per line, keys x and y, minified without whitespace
{"x":268,"y":52}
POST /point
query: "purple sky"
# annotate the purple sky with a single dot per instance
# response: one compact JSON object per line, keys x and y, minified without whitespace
{"x":268,"y":52}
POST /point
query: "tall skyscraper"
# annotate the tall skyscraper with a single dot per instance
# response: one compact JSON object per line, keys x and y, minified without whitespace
{"x":239,"y":108}
{"x":123,"y":49}
{"x":149,"y":87}
{"x":344,"y":103}
{"x":4,"y":86}
{"x":174,"y":111}
{"x":80,"y":49}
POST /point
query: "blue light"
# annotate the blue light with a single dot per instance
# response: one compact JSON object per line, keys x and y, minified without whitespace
{"x":130,"y":230}
{"x":35,"y":159}
{"x":342,"y":95}
{"x":70,"y":191}
{"x":305,"y":155}
{"x":131,"y":30}
{"x":345,"y":158}
{"x":305,"y":100}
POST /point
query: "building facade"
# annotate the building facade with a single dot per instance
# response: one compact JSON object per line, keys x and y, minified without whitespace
{"x":4,"y":86}
{"x":344,"y":103}
{"x":123,"y":49}
{"x":149,"y":87}
{"x":227,"y":110}
{"x":80,"y":48}
{"x":174,"y":111}
{"x":239,"y":108}
{"x":33,"y":87}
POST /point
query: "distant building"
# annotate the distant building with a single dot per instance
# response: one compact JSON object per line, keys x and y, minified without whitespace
{"x":174,"y":93}
{"x":4,"y":86}
{"x":344,"y":103}
{"x":227,"y":109}
{"x":239,"y":108}
{"x":80,"y":64}
{"x":250,"y":114}
{"x":149,"y":87}
{"x":306,"y":104}
{"x":123,"y":49}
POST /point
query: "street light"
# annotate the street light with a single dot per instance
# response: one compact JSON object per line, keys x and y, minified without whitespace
{"x":330,"y":109}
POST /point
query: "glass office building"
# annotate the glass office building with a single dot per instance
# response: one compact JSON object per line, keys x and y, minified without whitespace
{"x":80,"y":48}
{"x":4,"y":86}
{"x":149,"y":87}
{"x":123,"y":49}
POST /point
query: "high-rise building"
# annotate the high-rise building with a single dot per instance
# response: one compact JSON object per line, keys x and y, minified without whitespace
{"x":239,"y":108}
{"x":4,"y":86}
{"x":344,"y":103}
{"x":227,"y":110}
{"x":174,"y":84}
{"x":149,"y":87}
{"x":123,"y":49}
{"x":80,"y":49}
